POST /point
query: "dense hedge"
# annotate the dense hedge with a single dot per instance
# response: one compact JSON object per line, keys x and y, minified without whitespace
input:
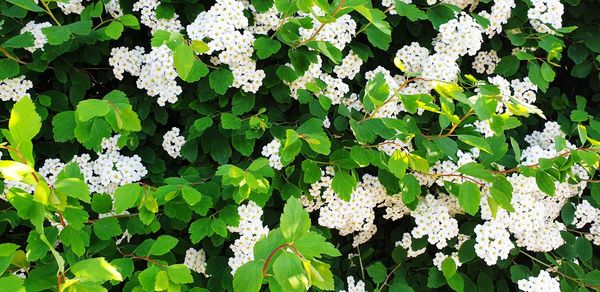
{"x":299,"y":144}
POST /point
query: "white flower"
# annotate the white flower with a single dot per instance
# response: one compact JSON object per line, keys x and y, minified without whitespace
{"x":172,"y":142}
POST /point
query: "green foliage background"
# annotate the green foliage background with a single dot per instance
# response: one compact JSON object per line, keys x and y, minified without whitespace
{"x":188,"y":202}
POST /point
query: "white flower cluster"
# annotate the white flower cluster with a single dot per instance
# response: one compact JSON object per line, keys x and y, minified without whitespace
{"x":542,"y":282}
{"x":354,"y":216}
{"x":523,"y":91}
{"x":113,"y":7}
{"x":433,"y":220}
{"x":492,"y":242}
{"x":406,"y":243}
{"x":349,"y":67}
{"x":541,"y":144}
{"x":338,"y":33}
{"x":389,"y":146}
{"x":39,"y":37}
{"x":72,"y":6}
{"x":412,"y":57}
{"x":155,"y":70}
{"x":147,"y":9}
{"x":195,"y":260}
{"x":157,"y":75}
{"x":459,"y":37}
{"x":440,"y":168}
{"x":103,"y":175}
{"x":251,"y":229}
{"x":484,"y":128}
{"x":227,"y":28}
{"x":271,"y":151}
{"x":546,"y":15}
{"x":442,"y":67}
{"x":354,"y":286}
{"x":585,"y":214}
{"x":533,"y":223}
{"x":122,"y":59}
{"x":440,"y":257}
{"x":313,"y":72}
{"x":498,"y":16}
{"x":14,"y":89}
{"x":172,"y":142}
{"x":264,"y":22}
{"x":485,"y":62}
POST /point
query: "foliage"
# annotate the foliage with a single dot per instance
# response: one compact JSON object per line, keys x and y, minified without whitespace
{"x":277,"y":159}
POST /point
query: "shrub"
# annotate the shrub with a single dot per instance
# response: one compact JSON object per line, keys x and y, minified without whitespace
{"x":299,"y":144}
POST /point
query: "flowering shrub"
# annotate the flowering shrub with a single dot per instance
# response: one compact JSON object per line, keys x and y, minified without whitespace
{"x":347,"y":145}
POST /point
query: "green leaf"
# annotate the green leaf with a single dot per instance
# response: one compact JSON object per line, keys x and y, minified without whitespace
{"x":547,"y":72}
{"x":242,"y":103}
{"x":378,"y":38}
{"x":24,"y":122}
{"x":219,"y":227}
{"x":101,"y":203}
{"x":592,"y":278}
{"x":220,"y":80}
{"x":63,"y":126}
{"x":448,"y":268}
{"x":343,"y":184}
{"x":439,"y":15}
{"x":536,"y":77}
{"x":76,"y":217}
{"x":519,"y":272}
{"x":191,"y":195}
{"x":248,"y":277}
{"x":106,"y":228}
{"x":8,"y":69}
{"x":583,"y":247}
{"x":188,"y":67}
{"x":294,"y":220}
{"x":90,"y":133}
{"x":314,"y":245}
{"x":398,"y":163}
{"x":91,"y":108}
{"x":477,"y":170}
{"x":378,"y":272}
{"x":200,"y":229}
{"x":411,"y":189}
{"x":56,"y":35}
{"x":469,"y":197}
{"x":126,"y":196}
{"x":74,"y":187}
{"x":163,"y":245}
{"x":545,"y":182}
{"x":478,"y":142}
{"x":95,"y":270}
{"x":27,"y":5}
{"x":179,"y":274}
{"x":409,"y":10}
{"x":507,"y":66}
{"x":114,"y":30}
{"x":289,"y":272}
{"x":327,"y":49}
{"x":318,"y":143}
{"x":12,"y":283}
{"x":266,"y":47}
{"x":129,"y":20}
{"x":579,"y":116}
{"x":229,"y":121}
{"x":77,"y":240}
{"x":7,"y":253}
{"x":311,"y":171}
{"x":321,"y":275}
{"x":23,"y":40}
